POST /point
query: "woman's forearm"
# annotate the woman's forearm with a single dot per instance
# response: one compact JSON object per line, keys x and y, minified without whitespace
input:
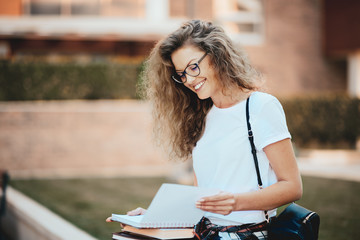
{"x":276,"y":195}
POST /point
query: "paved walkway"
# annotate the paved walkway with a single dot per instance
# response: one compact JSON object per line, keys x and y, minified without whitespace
{"x":346,"y":171}
{"x":341,"y":164}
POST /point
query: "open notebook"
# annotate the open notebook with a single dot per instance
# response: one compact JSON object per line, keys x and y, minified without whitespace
{"x":172,"y":207}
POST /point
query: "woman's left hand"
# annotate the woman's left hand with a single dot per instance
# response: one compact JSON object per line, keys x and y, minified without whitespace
{"x":222,"y":203}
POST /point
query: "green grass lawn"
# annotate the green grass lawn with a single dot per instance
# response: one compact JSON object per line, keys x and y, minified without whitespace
{"x":88,"y":202}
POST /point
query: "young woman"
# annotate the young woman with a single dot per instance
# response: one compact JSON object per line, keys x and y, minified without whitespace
{"x":198,"y":83}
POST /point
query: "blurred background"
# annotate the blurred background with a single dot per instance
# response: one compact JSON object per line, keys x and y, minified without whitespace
{"x":70,"y":108}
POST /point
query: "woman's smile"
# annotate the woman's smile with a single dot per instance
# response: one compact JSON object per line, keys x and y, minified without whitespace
{"x":198,"y":86}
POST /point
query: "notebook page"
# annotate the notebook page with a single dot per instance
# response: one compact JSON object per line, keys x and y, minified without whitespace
{"x":135,"y":221}
{"x":174,"y":206}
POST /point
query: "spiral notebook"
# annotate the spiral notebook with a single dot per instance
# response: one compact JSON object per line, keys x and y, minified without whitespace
{"x":172,"y":207}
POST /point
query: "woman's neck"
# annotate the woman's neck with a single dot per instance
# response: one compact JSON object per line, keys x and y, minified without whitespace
{"x":231,"y":98}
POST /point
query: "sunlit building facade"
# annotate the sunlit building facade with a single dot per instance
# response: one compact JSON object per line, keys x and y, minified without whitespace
{"x":291,"y":42}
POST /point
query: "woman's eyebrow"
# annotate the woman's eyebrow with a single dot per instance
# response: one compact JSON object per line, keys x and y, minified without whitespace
{"x":176,"y":70}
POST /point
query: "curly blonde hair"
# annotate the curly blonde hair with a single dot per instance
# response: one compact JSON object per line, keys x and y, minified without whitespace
{"x":178,"y":114}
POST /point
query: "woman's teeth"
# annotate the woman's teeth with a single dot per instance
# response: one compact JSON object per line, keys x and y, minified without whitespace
{"x":197,"y":86}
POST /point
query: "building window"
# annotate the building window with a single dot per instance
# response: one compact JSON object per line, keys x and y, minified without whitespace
{"x":84,"y":7}
{"x":120,"y":8}
{"x":44,"y":7}
{"x":191,"y":9}
{"x":242,"y":19}
{"x":123,"y":8}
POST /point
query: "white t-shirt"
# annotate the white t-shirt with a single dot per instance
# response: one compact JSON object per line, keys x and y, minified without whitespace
{"x":222,"y":158}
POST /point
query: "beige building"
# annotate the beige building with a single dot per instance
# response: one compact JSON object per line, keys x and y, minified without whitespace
{"x":300,"y":46}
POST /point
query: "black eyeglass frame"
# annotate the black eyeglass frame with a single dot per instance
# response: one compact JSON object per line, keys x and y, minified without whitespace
{"x":184,"y":73}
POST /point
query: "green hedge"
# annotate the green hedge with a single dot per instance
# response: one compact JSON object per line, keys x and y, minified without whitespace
{"x":328,"y":121}
{"x":44,"y":81}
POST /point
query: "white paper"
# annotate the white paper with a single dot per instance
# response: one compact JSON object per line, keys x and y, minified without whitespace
{"x":173,"y":206}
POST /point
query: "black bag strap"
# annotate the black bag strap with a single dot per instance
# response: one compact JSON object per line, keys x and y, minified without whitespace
{"x":253,"y":151}
{"x":251,"y":139}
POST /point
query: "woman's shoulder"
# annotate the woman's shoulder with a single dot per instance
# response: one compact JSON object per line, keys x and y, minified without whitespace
{"x":265,"y":105}
{"x":259,"y":99}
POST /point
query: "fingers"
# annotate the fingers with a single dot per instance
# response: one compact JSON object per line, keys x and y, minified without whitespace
{"x":222,"y":203}
{"x":224,"y":209}
{"x":217,"y":197}
{"x":109,"y":220}
{"x":227,"y":202}
{"x":135,"y":212}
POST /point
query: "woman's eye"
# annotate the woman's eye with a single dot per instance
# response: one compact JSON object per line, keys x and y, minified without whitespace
{"x":193,"y":67}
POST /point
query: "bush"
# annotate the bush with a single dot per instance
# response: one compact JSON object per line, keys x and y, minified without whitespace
{"x":330,"y":121}
{"x":45,"y":81}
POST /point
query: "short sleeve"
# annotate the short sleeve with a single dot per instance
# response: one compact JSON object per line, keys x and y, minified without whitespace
{"x":269,"y":124}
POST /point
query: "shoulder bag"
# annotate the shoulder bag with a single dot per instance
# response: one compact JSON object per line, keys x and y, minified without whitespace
{"x":295,"y":222}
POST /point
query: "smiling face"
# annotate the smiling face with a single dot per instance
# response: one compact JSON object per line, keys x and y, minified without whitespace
{"x":206,"y":84}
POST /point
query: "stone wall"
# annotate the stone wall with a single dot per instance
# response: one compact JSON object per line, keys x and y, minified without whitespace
{"x":27,"y":219}
{"x":78,"y":138}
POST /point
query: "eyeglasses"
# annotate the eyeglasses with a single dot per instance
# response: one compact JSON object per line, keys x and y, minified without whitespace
{"x":192,"y":70}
